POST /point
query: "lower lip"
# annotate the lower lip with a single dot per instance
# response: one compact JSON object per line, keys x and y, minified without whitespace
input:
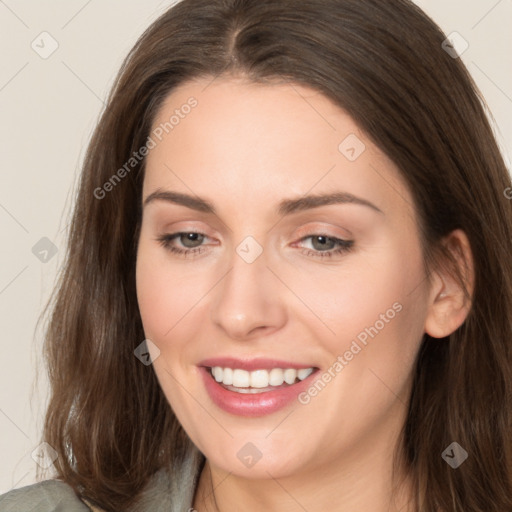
{"x":254,"y":404}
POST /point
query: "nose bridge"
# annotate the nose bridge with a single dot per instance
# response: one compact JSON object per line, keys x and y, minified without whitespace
{"x":247,"y":299}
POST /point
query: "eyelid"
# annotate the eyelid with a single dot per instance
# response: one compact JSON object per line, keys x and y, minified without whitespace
{"x":189,"y":226}
{"x":303,"y":232}
{"x":325,"y":229}
{"x":175,"y":235}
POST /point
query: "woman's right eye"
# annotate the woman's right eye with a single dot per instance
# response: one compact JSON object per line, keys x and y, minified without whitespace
{"x":184,"y":237}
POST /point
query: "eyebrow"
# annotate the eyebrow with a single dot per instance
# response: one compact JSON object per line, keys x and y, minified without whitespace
{"x":285,"y":207}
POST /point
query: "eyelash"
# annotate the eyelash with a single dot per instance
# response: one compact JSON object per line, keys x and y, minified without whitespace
{"x":344,"y":245}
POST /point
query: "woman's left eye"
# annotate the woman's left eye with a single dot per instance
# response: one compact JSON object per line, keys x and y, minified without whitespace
{"x":328,"y":245}
{"x":324,"y":240}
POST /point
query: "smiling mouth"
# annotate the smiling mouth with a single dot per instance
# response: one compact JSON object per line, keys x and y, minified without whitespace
{"x":258,"y":381}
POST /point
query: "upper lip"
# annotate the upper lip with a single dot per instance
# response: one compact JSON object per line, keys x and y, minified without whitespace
{"x":259,"y":363}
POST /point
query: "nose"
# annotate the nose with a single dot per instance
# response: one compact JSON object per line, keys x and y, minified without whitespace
{"x":248,"y":302}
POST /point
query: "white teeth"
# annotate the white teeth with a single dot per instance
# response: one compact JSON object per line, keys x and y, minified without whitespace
{"x":217,"y":373}
{"x":276,"y":377}
{"x":304,"y":372}
{"x":228,"y":376}
{"x":259,"y":378}
{"x":241,"y":378}
{"x":290,"y":376}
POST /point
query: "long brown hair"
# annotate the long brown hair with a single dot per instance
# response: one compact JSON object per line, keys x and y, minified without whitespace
{"x":382,"y":62}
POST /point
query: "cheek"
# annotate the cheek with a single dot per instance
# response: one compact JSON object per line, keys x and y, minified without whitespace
{"x":346,"y":300}
{"x":169,"y":298}
{"x":156,"y":293}
{"x":376,"y":301}
{"x":154,"y":299}
{"x":385,"y":316}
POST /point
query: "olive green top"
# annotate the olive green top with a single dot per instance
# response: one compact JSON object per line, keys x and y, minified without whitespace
{"x":164,"y":493}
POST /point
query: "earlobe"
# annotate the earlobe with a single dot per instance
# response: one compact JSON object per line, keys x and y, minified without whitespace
{"x":448,"y":305}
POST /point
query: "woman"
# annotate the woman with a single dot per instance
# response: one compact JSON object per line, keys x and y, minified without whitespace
{"x":288,"y":283}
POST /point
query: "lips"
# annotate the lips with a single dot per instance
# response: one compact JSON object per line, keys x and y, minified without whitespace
{"x":248,"y":401}
{"x":252,"y":364}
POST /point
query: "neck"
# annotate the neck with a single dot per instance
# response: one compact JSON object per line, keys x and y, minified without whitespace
{"x":363,"y":482}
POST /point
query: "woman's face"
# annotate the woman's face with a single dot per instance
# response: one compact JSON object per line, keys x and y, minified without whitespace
{"x":277,"y":278}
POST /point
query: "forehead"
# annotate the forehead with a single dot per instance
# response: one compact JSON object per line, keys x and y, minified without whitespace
{"x":259,"y":142}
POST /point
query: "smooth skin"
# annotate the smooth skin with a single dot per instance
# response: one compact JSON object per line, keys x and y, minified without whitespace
{"x":244,"y":148}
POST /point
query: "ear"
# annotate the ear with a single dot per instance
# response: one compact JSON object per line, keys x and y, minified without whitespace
{"x":448,"y":307}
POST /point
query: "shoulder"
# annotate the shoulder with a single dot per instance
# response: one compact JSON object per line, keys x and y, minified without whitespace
{"x":46,"y":496}
{"x":169,"y":490}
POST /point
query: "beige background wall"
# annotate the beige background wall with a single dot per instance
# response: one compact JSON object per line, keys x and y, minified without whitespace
{"x":48,"y":108}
